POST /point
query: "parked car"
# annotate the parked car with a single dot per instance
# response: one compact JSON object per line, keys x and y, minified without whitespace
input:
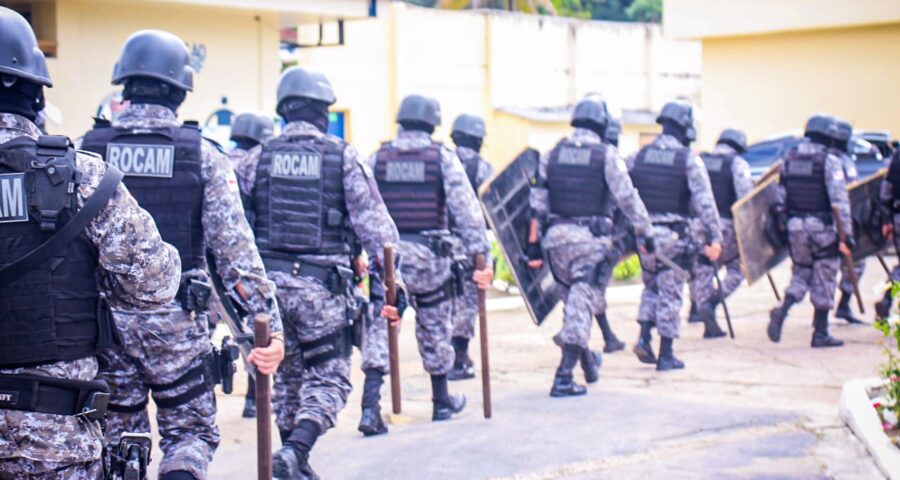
{"x":881,"y":140}
{"x":762,"y":155}
{"x":869,"y":159}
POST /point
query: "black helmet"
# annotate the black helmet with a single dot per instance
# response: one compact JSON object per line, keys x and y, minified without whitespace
{"x":253,"y":126}
{"x":419,"y":108}
{"x":680,"y":113}
{"x":734,"y":138}
{"x":822,"y":124}
{"x":843,"y":131}
{"x":20,"y":56}
{"x":471,"y":125}
{"x":155,"y":54}
{"x":303,"y":82}
{"x":613,"y":130}
{"x":591,"y":109}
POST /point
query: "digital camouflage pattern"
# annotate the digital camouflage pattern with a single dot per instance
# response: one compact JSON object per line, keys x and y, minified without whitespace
{"x":575,"y":252}
{"x":485,"y":170}
{"x":886,"y":200}
{"x":375,"y":354}
{"x":236,"y":156}
{"x":851,"y":174}
{"x":138,"y":270}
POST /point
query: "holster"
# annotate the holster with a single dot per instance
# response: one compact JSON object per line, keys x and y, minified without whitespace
{"x":58,"y":396}
{"x":193,"y":295}
{"x":337,"y":344}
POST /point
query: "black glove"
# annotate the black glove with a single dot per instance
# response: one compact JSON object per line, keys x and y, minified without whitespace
{"x":533,"y":251}
{"x":402,"y":302}
{"x":649,"y":244}
{"x":850,"y":242}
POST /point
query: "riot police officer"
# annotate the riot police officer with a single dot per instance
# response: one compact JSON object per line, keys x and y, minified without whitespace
{"x":73,"y":243}
{"x":889,"y":197}
{"x":578,"y":184}
{"x":441,"y":224}
{"x":730,"y":178}
{"x":468,"y":135}
{"x":248,"y":131}
{"x":188,"y":186}
{"x":674,"y":185}
{"x":313,"y":199}
{"x":812,"y":184}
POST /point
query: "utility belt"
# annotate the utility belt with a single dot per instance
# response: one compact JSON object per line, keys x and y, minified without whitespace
{"x":337,"y":279}
{"x":57,"y":396}
{"x":216,"y":368}
{"x":439,"y":244}
{"x":686,"y":259}
{"x":193,"y":295}
{"x":599,"y":226}
{"x":338,"y":344}
{"x":448,"y":290}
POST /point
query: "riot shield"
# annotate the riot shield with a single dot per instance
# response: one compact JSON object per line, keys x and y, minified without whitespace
{"x":506,"y":205}
{"x":759,"y":252}
{"x":866,"y":215}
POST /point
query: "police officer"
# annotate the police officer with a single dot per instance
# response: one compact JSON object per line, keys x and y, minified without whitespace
{"x":313,"y":199}
{"x":189,"y":187}
{"x":812,"y":183}
{"x":674,"y":185}
{"x":441,"y":224}
{"x":101,"y":251}
{"x":468,"y":135}
{"x":889,"y":197}
{"x":840,"y":147}
{"x":578,"y":183}
{"x":729,"y":175}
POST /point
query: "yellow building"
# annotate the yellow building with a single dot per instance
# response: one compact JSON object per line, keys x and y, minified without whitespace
{"x":235,"y":44}
{"x":769,"y":64}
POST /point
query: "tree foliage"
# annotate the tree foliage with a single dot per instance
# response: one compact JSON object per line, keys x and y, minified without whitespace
{"x":610,"y":10}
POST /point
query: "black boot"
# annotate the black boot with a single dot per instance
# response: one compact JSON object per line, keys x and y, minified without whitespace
{"x":844,"y":312}
{"x":590,"y":364}
{"x":644,"y":348}
{"x":611,"y":342}
{"x":291,"y":461}
{"x":711,"y":328}
{"x":371,"y":422}
{"x":776,"y":318}
{"x":564,"y":384}
{"x":667,"y":360}
{"x":694,"y":316}
{"x":445,"y":405}
{"x":821,"y":338}
{"x":463,"y":366}
{"x":250,"y":399}
{"x":883,"y":307}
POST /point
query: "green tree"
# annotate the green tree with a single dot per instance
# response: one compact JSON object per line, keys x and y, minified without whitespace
{"x":573,"y":8}
{"x":645,"y":11}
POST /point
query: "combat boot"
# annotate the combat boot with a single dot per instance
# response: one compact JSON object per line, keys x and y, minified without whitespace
{"x":821,"y":338}
{"x":711,"y":328}
{"x":611,"y":342}
{"x":694,"y":315}
{"x":249,"y":408}
{"x":844,"y":312}
{"x":463,"y":366}
{"x":776,"y":318}
{"x":444,"y":404}
{"x":667,"y":360}
{"x":564,"y":382}
{"x":371,"y":423}
{"x":883,"y":307}
{"x":644,"y":348}
{"x":590,"y":364}
{"x":291,"y":461}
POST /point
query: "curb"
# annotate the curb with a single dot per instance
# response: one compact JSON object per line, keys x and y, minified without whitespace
{"x":856,"y":411}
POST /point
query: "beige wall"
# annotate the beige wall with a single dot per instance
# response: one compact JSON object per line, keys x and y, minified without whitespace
{"x":767,"y":84}
{"x":242,"y":55}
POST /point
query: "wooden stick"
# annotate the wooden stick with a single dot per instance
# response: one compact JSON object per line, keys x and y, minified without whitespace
{"x":390,"y":297}
{"x":774,"y":287}
{"x":848,"y":259}
{"x":263,"y":404}
{"x":483,"y":336}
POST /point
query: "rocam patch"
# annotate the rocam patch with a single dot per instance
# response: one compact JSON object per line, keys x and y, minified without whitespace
{"x":296,"y":165}
{"x":13,"y":198}
{"x":405,"y":172}
{"x":136,"y":160}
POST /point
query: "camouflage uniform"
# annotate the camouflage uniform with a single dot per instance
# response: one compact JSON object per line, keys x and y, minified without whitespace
{"x":423,"y":271}
{"x":164,"y":343}
{"x":236,"y":156}
{"x":703,"y":286}
{"x":575,"y":252}
{"x":850,"y":176}
{"x":312,"y":311}
{"x":661,"y":299}
{"x":375,"y":355}
{"x":140,"y":271}
{"x":891,"y":212}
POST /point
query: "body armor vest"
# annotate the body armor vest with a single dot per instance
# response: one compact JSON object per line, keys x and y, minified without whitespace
{"x":299,"y":196}
{"x":722,"y":180}
{"x":412,"y":186}
{"x":576,"y":180}
{"x":803,"y":177}
{"x":162,"y":171}
{"x":660,"y":175}
{"x":50,"y":313}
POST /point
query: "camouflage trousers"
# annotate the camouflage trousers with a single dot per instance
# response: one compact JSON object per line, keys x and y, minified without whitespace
{"x":895,"y":272}
{"x":319,"y":392}
{"x":663,"y":292}
{"x":465,"y":307}
{"x":375,"y":345}
{"x":845,"y":285}
{"x":812,"y":245}
{"x":160,"y":347}
{"x":703,"y":285}
{"x":44,"y":446}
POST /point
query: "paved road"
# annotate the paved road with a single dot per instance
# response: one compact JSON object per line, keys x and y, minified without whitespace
{"x":741,"y":409}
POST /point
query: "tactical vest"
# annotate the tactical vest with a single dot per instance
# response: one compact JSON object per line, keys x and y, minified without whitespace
{"x":50,"y":313}
{"x":721,"y":179}
{"x":471,"y":166}
{"x":299,"y":197}
{"x":660,"y":175}
{"x":893,"y":175}
{"x":162,"y":171}
{"x":803,"y":178}
{"x":412,"y":186}
{"x":576,"y":180}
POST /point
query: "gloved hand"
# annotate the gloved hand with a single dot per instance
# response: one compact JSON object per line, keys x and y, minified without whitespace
{"x":535,"y":255}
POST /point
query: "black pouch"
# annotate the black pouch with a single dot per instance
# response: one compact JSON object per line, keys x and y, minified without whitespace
{"x":108,"y":335}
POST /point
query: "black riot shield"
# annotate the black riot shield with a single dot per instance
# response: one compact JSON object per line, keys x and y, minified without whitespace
{"x":507,"y":208}
{"x":867,"y":217}
{"x":759,"y":250}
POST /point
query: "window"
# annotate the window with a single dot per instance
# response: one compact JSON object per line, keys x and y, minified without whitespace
{"x":42,"y":17}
